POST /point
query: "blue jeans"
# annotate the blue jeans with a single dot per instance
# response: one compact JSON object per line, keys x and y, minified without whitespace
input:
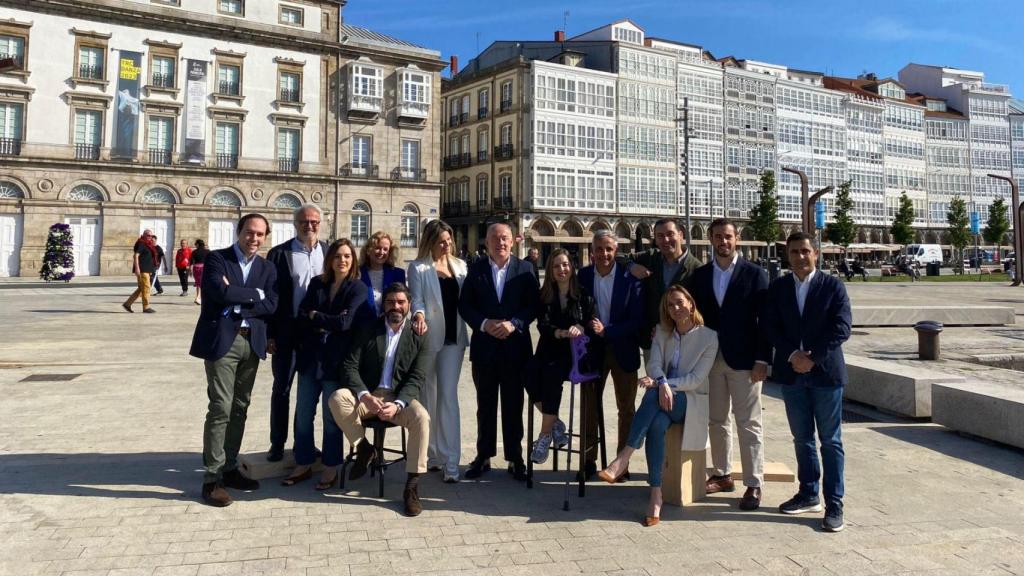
{"x":651,"y":422}
{"x":310,"y":393}
{"x":807,"y":407}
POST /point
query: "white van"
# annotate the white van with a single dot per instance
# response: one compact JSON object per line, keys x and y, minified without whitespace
{"x":925,"y":253}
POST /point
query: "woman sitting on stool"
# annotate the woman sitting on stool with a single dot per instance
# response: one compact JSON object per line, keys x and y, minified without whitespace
{"x":565,"y":310}
{"x":677,"y":392}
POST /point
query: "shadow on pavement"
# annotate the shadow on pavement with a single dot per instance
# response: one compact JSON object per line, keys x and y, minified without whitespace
{"x":77,"y":311}
{"x":1004,"y":459}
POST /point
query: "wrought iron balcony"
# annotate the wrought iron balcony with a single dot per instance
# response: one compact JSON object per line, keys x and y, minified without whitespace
{"x":227,"y":160}
{"x":159,"y":156}
{"x":464,"y":117}
{"x":481,"y":156}
{"x":87,"y":152}
{"x":503,"y":203}
{"x":454,"y":162}
{"x":163,"y":80}
{"x":360,"y":170}
{"x":506,"y":105}
{"x":453,"y":121}
{"x":481,"y":205}
{"x":481,"y":113}
{"x":10,"y":147}
{"x":289,"y":95}
{"x":14,"y":58}
{"x":414,"y":174}
{"x":467,"y":159}
{"x":91,"y":72}
{"x":504,"y":151}
{"x":460,"y":208}
{"x":228,"y":88}
{"x":288,"y":164}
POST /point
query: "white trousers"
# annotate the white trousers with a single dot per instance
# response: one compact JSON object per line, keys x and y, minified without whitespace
{"x":732,"y":390}
{"x":440,"y":396}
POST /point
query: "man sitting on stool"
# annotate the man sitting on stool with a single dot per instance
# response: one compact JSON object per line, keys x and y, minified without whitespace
{"x":384,"y":371}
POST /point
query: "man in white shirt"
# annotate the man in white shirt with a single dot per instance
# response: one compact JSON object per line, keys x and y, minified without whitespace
{"x":384,"y":370}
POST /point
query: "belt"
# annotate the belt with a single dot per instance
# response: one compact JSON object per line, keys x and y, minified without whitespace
{"x":244,"y":332}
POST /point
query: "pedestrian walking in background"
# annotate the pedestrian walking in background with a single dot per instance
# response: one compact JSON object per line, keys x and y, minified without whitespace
{"x":144,"y":260}
{"x":160,"y":257}
{"x":198,"y":261}
{"x":183,"y":263}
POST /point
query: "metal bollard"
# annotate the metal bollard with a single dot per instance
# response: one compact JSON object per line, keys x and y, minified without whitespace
{"x":928,"y":339}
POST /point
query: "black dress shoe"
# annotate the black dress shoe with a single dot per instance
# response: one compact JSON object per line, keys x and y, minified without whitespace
{"x":275,"y":454}
{"x":517,"y":470}
{"x":365,"y":454}
{"x":214,"y":494}
{"x":234,"y":479}
{"x":477,"y":468}
{"x":588,"y":472}
{"x":751,"y":499}
{"x":411,"y":496}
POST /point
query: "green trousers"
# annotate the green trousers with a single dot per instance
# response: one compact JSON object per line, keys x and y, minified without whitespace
{"x":229,"y":382}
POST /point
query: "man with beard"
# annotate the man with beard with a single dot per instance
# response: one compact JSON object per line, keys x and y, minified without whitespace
{"x":384,"y":371}
{"x":729,"y":292}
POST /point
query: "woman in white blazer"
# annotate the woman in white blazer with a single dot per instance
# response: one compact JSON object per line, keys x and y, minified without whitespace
{"x":677,"y":391}
{"x":435,"y":280}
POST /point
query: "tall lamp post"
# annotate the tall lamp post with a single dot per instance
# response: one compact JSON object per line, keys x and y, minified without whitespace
{"x":807,"y":201}
{"x":1018,"y":215}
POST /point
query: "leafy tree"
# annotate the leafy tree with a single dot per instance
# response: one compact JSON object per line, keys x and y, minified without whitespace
{"x":843,"y":230}
{"x":902,"y":229}
{"x":764,"y":216}
{"x":998,"y":224}
{"x":959,"y":232}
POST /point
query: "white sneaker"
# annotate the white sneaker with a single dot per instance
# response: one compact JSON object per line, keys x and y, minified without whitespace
{"x":559,"y":433}
{"x":451,"y":474}
{"x":539,"y":455}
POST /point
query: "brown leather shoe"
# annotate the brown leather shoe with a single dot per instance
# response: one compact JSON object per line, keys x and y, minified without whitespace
{"x":751,"y":499}
{"x":412,"y":501}
{"x":717,"y":484}
{"x":214,"y":494}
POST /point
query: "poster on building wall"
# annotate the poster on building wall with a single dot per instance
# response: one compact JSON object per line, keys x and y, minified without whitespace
{"x":126,"y":113}
{"x":195,"y":112}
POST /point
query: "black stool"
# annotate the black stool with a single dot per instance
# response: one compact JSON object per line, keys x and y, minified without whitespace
{"x":568,"y":449}
{"x":379,"y":464}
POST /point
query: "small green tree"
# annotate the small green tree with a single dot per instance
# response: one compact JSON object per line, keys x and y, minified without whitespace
{"x":764,"y":216}
{"x":843,"y":230}
{"x":998,"y":224}
{"x":902,"y":229}
{"x":959,"y":232}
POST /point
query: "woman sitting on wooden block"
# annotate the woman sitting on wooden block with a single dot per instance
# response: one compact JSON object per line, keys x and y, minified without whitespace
{"x":677,"y":392}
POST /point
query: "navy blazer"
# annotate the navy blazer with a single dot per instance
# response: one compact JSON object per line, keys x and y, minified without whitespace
{"x":739,"y":338}
{"x":520,"y":303}
{"x":282,"y":325}
{"x":325,"y":340}
{"x":627,"y":315}
{"x":215,"y":332}
{"x":823,"y":327}
{"x":391,"y":275}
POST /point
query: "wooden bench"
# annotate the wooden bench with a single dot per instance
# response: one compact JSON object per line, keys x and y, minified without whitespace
{"x":684,"y":475}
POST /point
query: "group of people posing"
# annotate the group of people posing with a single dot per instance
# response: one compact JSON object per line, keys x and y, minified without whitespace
{"x":369,"y":339}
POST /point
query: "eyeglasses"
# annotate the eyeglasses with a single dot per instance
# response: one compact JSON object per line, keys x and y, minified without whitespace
{"x":311,"y":223}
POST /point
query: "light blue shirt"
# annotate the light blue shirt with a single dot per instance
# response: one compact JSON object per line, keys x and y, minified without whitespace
{"x":246,"y":265}
{"x":305,"y":264}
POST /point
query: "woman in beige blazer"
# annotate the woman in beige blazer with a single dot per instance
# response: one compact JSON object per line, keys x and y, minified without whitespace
{"x":677,"y":391}
{"x":435,"y":280}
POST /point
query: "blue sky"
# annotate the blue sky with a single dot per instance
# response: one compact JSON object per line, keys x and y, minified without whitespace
{"x":838,"y":37}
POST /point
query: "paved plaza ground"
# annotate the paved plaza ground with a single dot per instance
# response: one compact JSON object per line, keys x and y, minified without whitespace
{"x":100,"y":474}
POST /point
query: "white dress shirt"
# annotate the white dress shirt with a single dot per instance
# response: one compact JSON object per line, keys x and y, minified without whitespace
{"x":387,"y":373}
{"x":721,"y":278}
{"x":499,"y":275}
{"x":801,"y":290}
{"x":305,"y":264}
{"x":604,"y":286}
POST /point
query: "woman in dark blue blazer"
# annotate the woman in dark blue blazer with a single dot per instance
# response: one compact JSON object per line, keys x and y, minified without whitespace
{"x":333,"y":309}
{"x":380,"y":254}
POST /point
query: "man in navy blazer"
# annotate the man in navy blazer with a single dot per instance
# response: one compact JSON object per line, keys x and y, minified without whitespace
{"x":807,"y":318}
{"x":500,"y":298}
{"x":618,"y":300}
{"x":729,"y":292}
{"x":231,"y":336}
{"x":296,"y":262}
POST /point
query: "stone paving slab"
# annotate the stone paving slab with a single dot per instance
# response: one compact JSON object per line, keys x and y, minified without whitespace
{"x":100,"y":475}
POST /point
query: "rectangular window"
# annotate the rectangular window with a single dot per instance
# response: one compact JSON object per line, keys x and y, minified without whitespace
{"x":483,"y":102}
{"x":229,"y":80}
{"x":481,"y":192}
{"x":367,"y":81}
{"x":88,"y":127}
{"x":410,"y":156}
{"x":288,"y":143}
{"x":90,"y":62}
{"x":160,"y":133}
{"x":11,"y":121}
{"x":290,"y":85}
{"x":13,"y":47}
{"x":506,"y":96}
{"x":227,"y":139}
{"x":233,"y":7}
{"x":163,"y":71}
{"x":291,"y":15}
{"x":362,"y":154}
{"x":506,"y":134}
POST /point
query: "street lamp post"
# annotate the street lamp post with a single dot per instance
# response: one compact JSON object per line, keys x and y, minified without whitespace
{"x":1018,"y":215}
{"x":803,"y":195}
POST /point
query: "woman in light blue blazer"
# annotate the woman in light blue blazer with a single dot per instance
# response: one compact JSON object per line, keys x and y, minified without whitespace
{"x":379,"y":257}
{"x":435,"y":280}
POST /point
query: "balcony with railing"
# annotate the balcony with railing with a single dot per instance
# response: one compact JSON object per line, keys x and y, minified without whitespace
{"x":229,"y":88}
{"x":90,"y":72}
{"x":227,"y":160}
{"x":464,"y":117}
{"x":482,"y":205}
{"x":506,"y":105}
{"x":159,"y":156}
{"x":412,"y":174}
{"x":15,"y":61}
{"x":289,"y":95}
{"x":453,"y":121}
{"x":162,"y":80}
{"x":87,"y":152}
{"x":503,"y":203}
{"x":288,"y":164}
{"x":504,"y":151}
{"x":454,"y":162}
{"x":360,"y":170}
{"x":10,"y":146}
{"x":458,"y":208}
{"x":481,"y":113}
{"x":481,"y":156}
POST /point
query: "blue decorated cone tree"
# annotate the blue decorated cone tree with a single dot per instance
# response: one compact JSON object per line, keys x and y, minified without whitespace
{"x":59,"y":260}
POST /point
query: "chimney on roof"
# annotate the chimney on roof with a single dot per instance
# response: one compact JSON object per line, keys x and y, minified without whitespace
{"x":559,"y":35}
{"x":453,"y":66}
{"x":868,"y":76}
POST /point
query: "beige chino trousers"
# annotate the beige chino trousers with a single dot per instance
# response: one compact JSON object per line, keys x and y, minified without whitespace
{"x":348,"y":413}
{"x":732,"y":391}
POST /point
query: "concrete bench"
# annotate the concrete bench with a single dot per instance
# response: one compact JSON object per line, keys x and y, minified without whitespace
{"x":893,"y":387}
{"x":254,"y":465}
{"x":684,"y":475}
{"x":985,"y":409}
{"x":881,"y":315}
